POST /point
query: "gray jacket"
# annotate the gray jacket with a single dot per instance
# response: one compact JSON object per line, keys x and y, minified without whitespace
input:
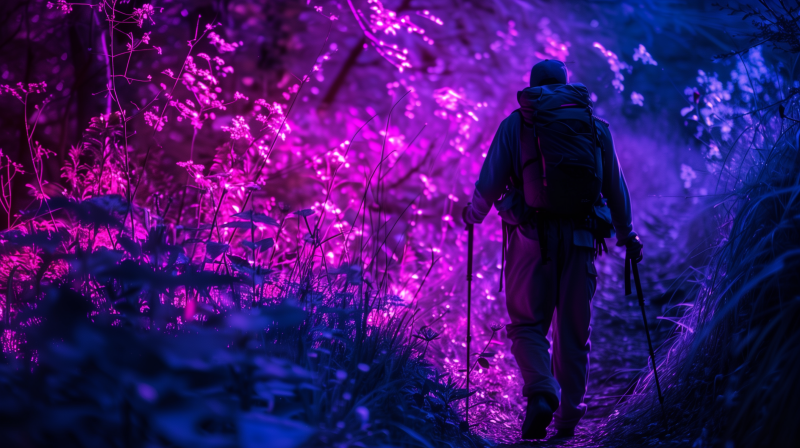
{"x":494,"y":185}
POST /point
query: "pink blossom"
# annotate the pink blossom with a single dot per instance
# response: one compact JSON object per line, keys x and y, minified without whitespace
{"x":153,"y":120}
{"x":221,"y":45}
{"x":146,"y":12}
{"x":238,"y":129}
{"x":61,"y":5}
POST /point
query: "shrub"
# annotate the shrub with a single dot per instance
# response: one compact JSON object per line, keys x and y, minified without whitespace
{"x":728,"y":372}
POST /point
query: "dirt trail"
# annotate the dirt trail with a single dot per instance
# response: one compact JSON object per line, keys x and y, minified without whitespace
{"x":619,"y":352}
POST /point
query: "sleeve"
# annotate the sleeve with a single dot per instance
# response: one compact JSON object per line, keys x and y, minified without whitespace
{"x":615,"y":189}
{"x":495,"y":174}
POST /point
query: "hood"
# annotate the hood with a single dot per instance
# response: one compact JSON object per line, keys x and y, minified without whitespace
{"x":544,"y":98}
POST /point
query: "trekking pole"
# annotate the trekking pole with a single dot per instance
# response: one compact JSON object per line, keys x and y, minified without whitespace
{"x":470,"y":239}
{"x":640,"y":294}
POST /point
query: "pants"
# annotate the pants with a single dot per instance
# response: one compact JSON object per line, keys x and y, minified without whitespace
{"x":558,"y":292}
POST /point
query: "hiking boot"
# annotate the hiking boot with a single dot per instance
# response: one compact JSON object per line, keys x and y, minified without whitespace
{"x":538,"y":416}
{"x":564,"y":433}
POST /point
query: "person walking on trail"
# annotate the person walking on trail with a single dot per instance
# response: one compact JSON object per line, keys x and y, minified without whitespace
{"x":553,"y":175}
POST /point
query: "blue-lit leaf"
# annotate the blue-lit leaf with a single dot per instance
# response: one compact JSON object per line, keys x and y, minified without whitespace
{"x":237,"y":225}
{"x":110,"y":202}
{"x":264,"y":244}
{"x":257,"y":217}
{"x":266,"y":220}
{"x":130,"y":246}
{"x":247,"y":214}
{"x":239,"y":263}
{"x":43,"y":240}
{"x":214,"y":250}
{"x":194,"y":229}
{"x":260,"y":430}
{"x":182,"y":258}
{"x":304,"y":212}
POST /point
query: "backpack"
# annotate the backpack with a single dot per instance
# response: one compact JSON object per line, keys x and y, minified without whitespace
{"x":562,"y":164}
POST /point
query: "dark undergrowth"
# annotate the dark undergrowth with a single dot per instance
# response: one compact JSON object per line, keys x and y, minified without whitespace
{"x":731,"y":379}
{"x":729,"y":373}
{"x":104,"y":356}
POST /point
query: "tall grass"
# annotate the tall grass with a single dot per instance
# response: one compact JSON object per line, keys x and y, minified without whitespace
{"x":730,"y":370}
{"x":137,"y":347}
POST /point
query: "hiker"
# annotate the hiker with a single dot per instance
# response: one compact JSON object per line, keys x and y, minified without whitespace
{"x":553,"y":175}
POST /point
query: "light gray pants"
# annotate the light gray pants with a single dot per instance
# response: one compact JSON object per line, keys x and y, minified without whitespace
{"x":557,"y":292}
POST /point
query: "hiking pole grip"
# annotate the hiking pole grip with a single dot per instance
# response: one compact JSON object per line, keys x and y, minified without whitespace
{"x":640,"y":294}
{"x":470,"y":241}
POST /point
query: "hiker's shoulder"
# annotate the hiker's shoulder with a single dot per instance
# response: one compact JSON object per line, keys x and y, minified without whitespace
{"x":514,"y":117}
{"x":511,"y":123}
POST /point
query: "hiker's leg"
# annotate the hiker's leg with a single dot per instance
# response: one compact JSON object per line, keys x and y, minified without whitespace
{"x":530,"y":298}
{"x":571,"y":328}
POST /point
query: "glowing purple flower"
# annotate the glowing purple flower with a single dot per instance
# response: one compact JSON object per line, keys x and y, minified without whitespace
{"x":641,"y":53}
{"x":154,"y":120}
{"x":146,"y":12}
{"x":238,"y":129}
{"x":61,"y":5}
{"x":615,"y":65}
{"x":637,"y":98}
{"x":687,"y":175}
{"x":221,"y":45}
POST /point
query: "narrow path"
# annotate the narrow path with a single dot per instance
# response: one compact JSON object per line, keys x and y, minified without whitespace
{"x":619,"y":350}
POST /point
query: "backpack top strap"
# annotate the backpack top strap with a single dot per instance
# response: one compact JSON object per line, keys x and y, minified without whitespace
{"x":602,"y":121}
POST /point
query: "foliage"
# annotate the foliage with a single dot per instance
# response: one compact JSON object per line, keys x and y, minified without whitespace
{"x":138,"y":347}
{"x":775,"y":24}
{"x":211,"y":160}
{"x":728,"y":371}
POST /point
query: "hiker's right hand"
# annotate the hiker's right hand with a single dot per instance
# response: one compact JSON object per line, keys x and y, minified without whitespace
{"x":466,"y":216}
{"x":633,"y":249}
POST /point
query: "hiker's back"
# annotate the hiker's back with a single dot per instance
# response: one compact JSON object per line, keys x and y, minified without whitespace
{"x":562,"y":167}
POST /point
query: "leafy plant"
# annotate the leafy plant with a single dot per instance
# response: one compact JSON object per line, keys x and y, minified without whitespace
{"x":733,"y":339}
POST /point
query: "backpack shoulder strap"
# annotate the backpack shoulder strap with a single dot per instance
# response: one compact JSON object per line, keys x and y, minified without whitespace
{"x":598,"y":130}
{"x":517,"y":181}
{"x":600,"y":142}
{"x":536,"y":144}
{"x":599,"y":152}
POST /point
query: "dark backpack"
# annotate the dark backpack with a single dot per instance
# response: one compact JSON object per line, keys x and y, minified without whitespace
{"x":562,"y":164}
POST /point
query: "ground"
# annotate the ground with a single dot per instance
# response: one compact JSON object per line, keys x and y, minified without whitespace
{"x":619,"y":352}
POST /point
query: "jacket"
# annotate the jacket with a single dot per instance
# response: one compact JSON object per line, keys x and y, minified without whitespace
{"x":495,"y":186}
